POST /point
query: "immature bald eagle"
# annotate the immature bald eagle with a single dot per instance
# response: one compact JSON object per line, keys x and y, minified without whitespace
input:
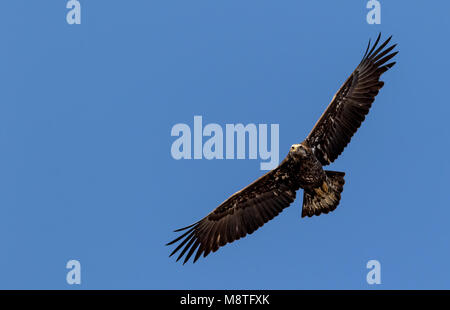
{"x":265,"y":198}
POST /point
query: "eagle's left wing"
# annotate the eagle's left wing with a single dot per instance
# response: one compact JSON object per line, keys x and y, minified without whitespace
{"x":350,"y":104}
{"x":239,"y":215}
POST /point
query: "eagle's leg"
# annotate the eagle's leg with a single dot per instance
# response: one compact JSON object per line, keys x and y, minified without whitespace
{"x":324,"y":198}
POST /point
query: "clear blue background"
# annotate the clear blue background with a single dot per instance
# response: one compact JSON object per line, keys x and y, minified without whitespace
{"x":85,"y":118}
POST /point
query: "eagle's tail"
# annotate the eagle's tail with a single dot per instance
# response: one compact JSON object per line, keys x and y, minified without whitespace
{"x":324,"y":198}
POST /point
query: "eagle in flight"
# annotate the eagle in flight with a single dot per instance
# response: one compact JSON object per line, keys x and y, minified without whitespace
{"x":248,"y":209}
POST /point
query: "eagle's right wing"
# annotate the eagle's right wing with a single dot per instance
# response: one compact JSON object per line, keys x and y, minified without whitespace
{"x":239,"y":215}
{"x":349,"y":106}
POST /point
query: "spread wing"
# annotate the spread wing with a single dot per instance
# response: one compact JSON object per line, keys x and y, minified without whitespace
{"x":241,"y":214}
{"x":350,"y":104}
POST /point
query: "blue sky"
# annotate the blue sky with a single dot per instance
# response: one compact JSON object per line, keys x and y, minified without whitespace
{"x":86,"y":171}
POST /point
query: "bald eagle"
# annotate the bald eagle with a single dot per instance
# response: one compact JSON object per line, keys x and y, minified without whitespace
{"x":250,"y":208}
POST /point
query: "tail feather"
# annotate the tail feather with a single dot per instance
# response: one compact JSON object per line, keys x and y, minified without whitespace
{"x":325,"y":198}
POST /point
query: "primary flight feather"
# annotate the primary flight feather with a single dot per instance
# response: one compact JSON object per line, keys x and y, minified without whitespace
{"x":248,"y":209}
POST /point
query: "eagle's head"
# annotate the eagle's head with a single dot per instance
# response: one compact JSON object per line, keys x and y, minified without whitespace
{"x":299,"y":151}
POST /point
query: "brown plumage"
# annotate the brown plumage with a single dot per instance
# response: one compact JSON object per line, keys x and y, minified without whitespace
{"x":350,"y":104}
{"x":250,"y":208}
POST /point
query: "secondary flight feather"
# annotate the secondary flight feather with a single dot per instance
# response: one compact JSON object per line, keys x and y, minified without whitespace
{"x":252,"y":207}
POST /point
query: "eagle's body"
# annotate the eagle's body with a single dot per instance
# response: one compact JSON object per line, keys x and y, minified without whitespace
{"x":310,"y":171}
{"x":248,"y":209}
